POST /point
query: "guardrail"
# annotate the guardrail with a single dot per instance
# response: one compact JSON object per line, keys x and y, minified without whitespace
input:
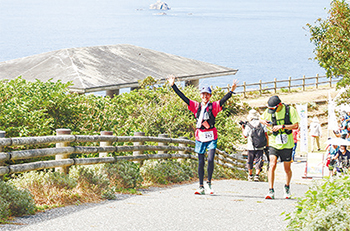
{"x":63,"y":150}
{"x":274,"y":85}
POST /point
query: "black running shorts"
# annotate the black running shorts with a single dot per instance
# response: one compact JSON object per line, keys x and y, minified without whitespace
{"x":284,"y":154}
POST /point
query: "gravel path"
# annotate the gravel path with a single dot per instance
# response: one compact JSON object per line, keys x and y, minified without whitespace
{"x":236,"y":205}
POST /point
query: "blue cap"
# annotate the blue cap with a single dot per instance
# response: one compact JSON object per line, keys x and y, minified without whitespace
{"x":206,"y":89}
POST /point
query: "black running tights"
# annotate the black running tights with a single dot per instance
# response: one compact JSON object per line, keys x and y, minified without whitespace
{"x":201,"y":164}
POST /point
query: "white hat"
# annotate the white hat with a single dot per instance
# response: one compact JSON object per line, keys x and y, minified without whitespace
{"x":253,"y":114}
{"x":315,"y":120}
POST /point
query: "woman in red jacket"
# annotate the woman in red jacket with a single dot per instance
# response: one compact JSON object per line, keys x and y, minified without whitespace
{"x":206,"y":133}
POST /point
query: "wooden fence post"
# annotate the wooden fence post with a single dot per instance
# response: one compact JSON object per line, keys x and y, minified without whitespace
{"x":162,"y":144}
{"x":181,"y":160}
{"x":289,"y":83}
{"x":244,"y":88}
{"x":303,"y":82}
{"x":317,"y":75}
{"x":330,"y":81}
{"x":105,"y":144}
{"x":136,"y":153}
{"x":61,"y":132}
{"x":275,"y":85}
{"x":260,"y":87}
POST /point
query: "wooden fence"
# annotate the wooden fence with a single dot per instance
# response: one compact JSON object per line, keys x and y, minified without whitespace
{"x":287,"y":84}
{"x":63,"y":150}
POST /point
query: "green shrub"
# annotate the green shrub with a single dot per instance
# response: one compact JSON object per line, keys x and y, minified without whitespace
{"x":227,"y":173}
{"x":124,"y":174}
{"x":89,"y":176}
{"x":14,"y":202}
{"x":325,"y":206}
{"x":166,"y":171}
{"x":38,"y":108}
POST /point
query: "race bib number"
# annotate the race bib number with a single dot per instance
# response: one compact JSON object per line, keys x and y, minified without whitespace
{"x":206,"y":136}
{"x":281,"y":139}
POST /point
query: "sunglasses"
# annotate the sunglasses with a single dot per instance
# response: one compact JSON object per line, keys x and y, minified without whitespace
{"x":273,"y":108}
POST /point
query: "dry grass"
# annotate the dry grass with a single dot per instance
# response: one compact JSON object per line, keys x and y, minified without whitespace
{"x":54,"y":196}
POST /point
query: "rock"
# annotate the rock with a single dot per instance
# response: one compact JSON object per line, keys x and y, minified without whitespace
{"x":159,"y":6}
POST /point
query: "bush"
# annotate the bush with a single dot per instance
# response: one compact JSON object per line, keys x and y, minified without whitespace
{"x":166,"y":171}
{"x":14,"y":202}
{"x":325,"y":206}
{"x":92,"y":180}
{"x":48,"y":188}
{"x":124,"y":174}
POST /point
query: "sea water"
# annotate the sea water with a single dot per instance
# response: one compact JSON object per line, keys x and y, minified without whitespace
{"x":264,"y":39}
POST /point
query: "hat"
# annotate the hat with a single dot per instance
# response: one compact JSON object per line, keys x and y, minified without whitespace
{"x":206,"y":89}
{"x":273,"y":103}
{"x":253,"y":114}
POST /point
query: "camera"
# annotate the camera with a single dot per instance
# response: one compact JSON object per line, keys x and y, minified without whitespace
{"x":243,"y":123}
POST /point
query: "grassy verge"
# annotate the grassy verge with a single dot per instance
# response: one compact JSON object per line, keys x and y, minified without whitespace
{"x":41,"y":190}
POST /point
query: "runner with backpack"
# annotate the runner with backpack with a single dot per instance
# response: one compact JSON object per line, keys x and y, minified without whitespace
{"x":257,"y":141}
{"x":281,"y":118}
{"x":206,"y":133}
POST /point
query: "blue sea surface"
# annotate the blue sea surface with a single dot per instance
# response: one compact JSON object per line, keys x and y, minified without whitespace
{"x":264,"y":39}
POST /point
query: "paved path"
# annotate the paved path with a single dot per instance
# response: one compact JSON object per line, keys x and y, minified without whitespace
{"x":237,"y":205}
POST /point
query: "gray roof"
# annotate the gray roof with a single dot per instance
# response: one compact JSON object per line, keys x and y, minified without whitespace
{"x":111,"y":67}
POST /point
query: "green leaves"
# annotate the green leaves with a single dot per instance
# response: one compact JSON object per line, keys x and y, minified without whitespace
{"x":326,"y":206}
{"x":14,"y":202}
{"x":331,"y":37}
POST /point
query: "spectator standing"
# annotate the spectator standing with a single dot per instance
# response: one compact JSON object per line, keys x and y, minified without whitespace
{"x":344,"y":127}
{"x":251,"y":130}
{"x":282,"y":119}
{"x":315,"y":133}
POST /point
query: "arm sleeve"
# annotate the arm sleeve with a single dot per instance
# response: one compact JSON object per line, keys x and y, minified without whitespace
{"x":181,"y":95}
{"x":225,"y":98}
{"x":246,"y":131}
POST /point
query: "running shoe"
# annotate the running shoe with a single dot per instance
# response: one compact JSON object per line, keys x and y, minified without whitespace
{"x":287,"y":193}
{"x":200,"y":191}
{"x":210,"y":189}
{"x":250,"y":178}
{"x":256,"y":178}
{"x":271,"y":194}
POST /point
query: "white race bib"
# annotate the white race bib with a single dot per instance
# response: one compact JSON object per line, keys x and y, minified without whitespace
{"x":206,"y":136}
{"x":281,"y":139}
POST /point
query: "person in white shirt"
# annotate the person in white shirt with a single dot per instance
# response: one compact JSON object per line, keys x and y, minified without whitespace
{"x":254,"y":153}
{"x":315,"y":133}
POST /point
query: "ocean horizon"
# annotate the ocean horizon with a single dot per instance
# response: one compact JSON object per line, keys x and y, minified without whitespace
{"x":262,"y":39}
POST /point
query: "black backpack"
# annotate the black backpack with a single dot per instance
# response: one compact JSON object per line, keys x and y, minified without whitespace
{"x":258,"y":136}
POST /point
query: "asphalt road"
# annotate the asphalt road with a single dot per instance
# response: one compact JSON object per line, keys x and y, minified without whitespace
{"x":236,"y":205}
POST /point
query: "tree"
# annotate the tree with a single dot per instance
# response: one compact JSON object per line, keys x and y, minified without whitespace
{"x":331,"y":37}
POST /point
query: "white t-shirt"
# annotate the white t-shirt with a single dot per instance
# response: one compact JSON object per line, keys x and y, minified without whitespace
{"x":315,"y":129}
{"x":248,"y":131}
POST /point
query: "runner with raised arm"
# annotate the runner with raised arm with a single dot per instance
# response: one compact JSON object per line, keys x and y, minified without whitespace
{"x":206,"y":133}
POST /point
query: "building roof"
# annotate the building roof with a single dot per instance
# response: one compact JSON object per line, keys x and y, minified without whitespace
{"x":110,"y":67}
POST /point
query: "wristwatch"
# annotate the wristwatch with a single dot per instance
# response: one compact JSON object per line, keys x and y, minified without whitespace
{"x":283,"y":126}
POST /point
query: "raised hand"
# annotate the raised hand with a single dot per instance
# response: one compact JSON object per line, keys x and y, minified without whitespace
{"x":171,"y":80}
{"x":234,"y":85}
